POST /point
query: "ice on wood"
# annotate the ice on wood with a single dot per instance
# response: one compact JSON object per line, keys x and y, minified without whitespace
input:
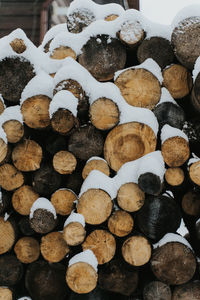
{"x":11,"y":113}
{"x":63,"y":99}
{"x":86,"y":256}
{"x":42,"y":203}
{"x":75,"y":217}
{"x":172,"y":237}
{"x":168,"y":132}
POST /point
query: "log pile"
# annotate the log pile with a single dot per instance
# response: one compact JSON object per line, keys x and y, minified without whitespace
{"x":99,"y":159}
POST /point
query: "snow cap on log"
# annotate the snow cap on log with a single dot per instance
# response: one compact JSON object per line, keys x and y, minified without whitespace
{"x":24,"y":298}
{"x":11,"y":113}
{"x":3,"y":135}
{"x":196,"y":69}
{"x":182,"y":230}
{"x":168,"y":132}
{"x":63,"y":99}
{"x":75,"y":217}
{"x":172,"y":237}
{"x":86,"y":256}
{"x":51,"y":33}
{"x":184,"y":13}
{"x":166,"y":97}
{"x":42,"y":203}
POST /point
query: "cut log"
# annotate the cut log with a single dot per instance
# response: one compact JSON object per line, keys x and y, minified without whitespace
{"x":63,"y":52}
{"x":64,"y":162}
{"x":18,"y":71}
{"x":190,"y":290}
{"x":185,"y":41}
{"x":79,"y":19}
{"x":18,"y":45}
{"x":27,"y":156}
{"x":43,"y":221}
{"x":14,"y":131}
{"x":111,"y":17}
{"x":11,"y":270}
{"x":158,"y":216}
{"x":74,"y":234}
{"x":46,"y":281}
{"x":63,"y":201}
{"x":3,"y":150}
{"x":116,"y":277}
{"x":178,"y":80}
{"x":157,"y":290}
{"x":23,"y":198}
{"x":27,"y":250}
{"x":104,"y":114}
{"x":62,"y":121}
{"x":95,"y":164}
{"x":8,"y":235}
{"x":120,"y":223}
{"x":74,"y":182}
{"x":130,"y":81}
{"x":157,"y":48}
{"x":194,"y":171}
{"x":191,"y":203}
{"x":100,"y":56}
{"x":173,"y":263}
{"x":120,"y":142}
{"x":35,"y":111}
{"x":53,"y":247}
{"x":6,"y":293}
{"x":102,"y":243}
{"x":150,"y":183}
{"x":130,"y":197}
{"x":86,"y":142}
{"x":136,"y":251}
{"x":95,"y":205}
{"x":10,"y":177}
{"x":131,"y":34}
{"x":174,"y":176}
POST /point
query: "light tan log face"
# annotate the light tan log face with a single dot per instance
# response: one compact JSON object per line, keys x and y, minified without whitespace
{"x":194,"y":172}
{"x":63,"y":201}
{"x":120,"y":223}
{"x":7,"y":234}
{"x":18,"y":45}
{"x":2,"y":108}
{"x":111,"y":17}
{"x":174,"y":176}
{"x":63,"y":52}
{"x":14,"y":130}
{"x":10,"y":177}
{"x":64,"y":162}
{"x":95,"y":164}
{"x":6,"y":293}
{"x":74,"y":234}
{"x":23,"y":199}
{"x":27,"y":250}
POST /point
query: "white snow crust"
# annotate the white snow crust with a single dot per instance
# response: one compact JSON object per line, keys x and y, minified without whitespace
{"x":168,"y":132}
{"x":52,"y":32}
{"x":11,"y":113}
{"x":95,"y":158}
{"x":182,"y":230}
{"x":42,"y":203}
{"x":3,"y":135}
{"x":24,"y":298}
{"x":166,"y":97}
{"x":86,"y":256}
{"x":186,"y":12}
{"x":196,"y":69}
{"x":63,"y":99}
{"x":75,"y":217}
{"x":193,"y":160}
{"x":6,"y":216}
{"x":172,"y":237}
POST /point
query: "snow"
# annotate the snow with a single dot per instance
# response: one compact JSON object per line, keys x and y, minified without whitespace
{"x":198,"y":221}
{"x":63,"y":99}
{"x":166,"y":97}
{"x":131,"y":31}
{"x":186,"y":12}
{"x":168,"y":132}
{"x":172,"y":237}
{"x":193,"y":160}
{"x":11,"y":113}
{"x":159,"y":30}
{"x":53,"y":32}
{"x":42,"y":203}
{"x":196,"y":69}
{"x":86,"y":256}
{"x":41,"y":84}
{"x":6,"y":216}
{"x":98,"y":180}
{"x":3,"y":135}
{"x":95,"y":158}
{"x":182,"y":230}
{"x":168,"y":194}
{"x":75,"y":217}
{"x":24,"y":298}
{"x":1,"y":200}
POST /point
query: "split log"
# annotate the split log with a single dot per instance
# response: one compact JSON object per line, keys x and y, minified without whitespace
{"x":10,"y":177}
{"x":3,"y":150}
{"x":150,"y":183}
{"x":24,"y":226}
{"x":86,"y":142}
{"x":194,"y":171}
{"x":8,"y":235}
{"x":74,"y":233}
{"x":64,"y":162}
{"x":116,"y":277}
{"x":62,"y":121}
{"x":23,"y":198}
{"x":11,"y":270}
{"x":6,"y":293}
{"x":157,"y":48}
{"x":63,"y":201}
{"x":131,"y":34}
{"x":78,"y":19}
{"x":95,"y":205}
{"x":17,"y":70}
{"x":104,"y":113}
{"x":95,"y":164}
{"x":14,"y":130}
{"x":18,"y":45}
{"x":63,"y":52}
{"x":35,"y":111}
{"x":96,"y":294}
{"x":190,"y":290}
{"x":100,"y":56}
{"x":130,"y":81}
{"x":157,"y":290}
{"x":27,"y":250}
{"x":120,"y":223}
{"x":102,"y":243}
{"x":191,"y":203}
{"x":130,"y":197}
{"x":111,"y":17}
{"x":120,"y":142}
{"x":46,"y":281}
{"x":174,"y":176}
{"x":158,"y":216}
{"x":178,"y":80}
{"x":53,"y":247}
{"x":136,"y":251}
{"x":185,"y":42}
{"x":27,"y":156}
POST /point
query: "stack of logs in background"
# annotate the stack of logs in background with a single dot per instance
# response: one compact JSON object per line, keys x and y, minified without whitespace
{"x":46,"y":150}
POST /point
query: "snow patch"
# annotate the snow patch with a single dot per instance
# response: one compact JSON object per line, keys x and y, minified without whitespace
{"x":11,"y":113}
{"x":86,"y":256}
{"x":168,"y":132}
{"x":166,"y":97}
{"x":186,"y":12}
{"x":193,"y":160}
{"x":75,"y":217}
{"x":182,"y":230}
{"x":196,"y":69}
{"x":95,"y":158}
{"x":172,"y":237}
{"x":53,"y":32}
{"x":3,"y":135}
{"x":42,"y":203}
{"x":63,"y":99}
{"x":6,"y":216}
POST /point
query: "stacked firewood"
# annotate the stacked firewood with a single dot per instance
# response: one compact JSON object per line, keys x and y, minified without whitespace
{"x":99,"y":159}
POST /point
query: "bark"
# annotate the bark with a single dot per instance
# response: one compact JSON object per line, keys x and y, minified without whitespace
{"x":150,"y":183}
{"x":157,"y":290}
{"x":11,"y":270}
{"x":191,"y":203}
{"x":190,"y":290}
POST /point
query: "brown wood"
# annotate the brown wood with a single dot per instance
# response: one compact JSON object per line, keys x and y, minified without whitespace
{"x":74,"y":234}
{"x":194,"y":171}
{"x":14,"y":130}
{"x":63,"y":52}
{"x":173,"y":263}
{"x":27,"y":250}
{"x":62,"y":121}
{"x":157,"y":290}
{"x":64,"y":162}
{"x":4,"y":201}
{"x":11,"y":270}
{"x":178,"y":80}
{"x":120,"y":142}
{"x":53,"y":247}
{"x":191,"y":203}
{"x":18,"y":45}
{"x":27,"y":156}
{"x":130,"y":197}
{"x":8,"y":235}
{"x":131,"y":34}
{"x":23,"y":199}
{"x":195,"y":99}
{"x":102,"y":243}
{"x":175,"y":151}
{"x":111,"y":17}
{"x":120,"y":223}
{"x":134,"y":4}
{"x":63,"y":201}
{"x":6,"y":293}
{"x":79,"y":19}
{"x":130,"y":81}
{"x":10,"y":177}
{"x":104,"y":113}
{"x":43,"y":221}
{"x":95,"y":205}
{"x":81,"y":278}
{"x":2,"y":107}
{"x":101,"y":58}
{"x":35,"y":111}
{"x":95,"y":164}
{"x":3,"y":150}
{"x":190,"y":290}
{"x":174,"y":176}
{"x":136,"y":250}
